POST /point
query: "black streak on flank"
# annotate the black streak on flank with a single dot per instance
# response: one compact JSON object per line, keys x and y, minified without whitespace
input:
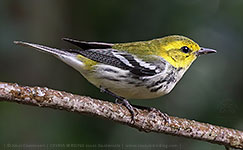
{"x":110,"y":70}
{"x":171,"y":79}
{"x":122,"y":76}
{"x":156,"y":89}
{"x":111,"y":79}
{"x":156,"y":83}
{"x":135,"y":84}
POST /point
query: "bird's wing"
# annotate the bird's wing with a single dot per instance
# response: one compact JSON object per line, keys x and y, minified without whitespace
{"x":121,"y":60}
{"x":113,"y":54}
{"x":88,"y":45}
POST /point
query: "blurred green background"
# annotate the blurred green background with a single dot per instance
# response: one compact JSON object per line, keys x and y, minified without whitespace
{"x":211,"y":91}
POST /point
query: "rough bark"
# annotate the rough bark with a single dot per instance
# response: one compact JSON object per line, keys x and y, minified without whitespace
{"x":148,"y":121}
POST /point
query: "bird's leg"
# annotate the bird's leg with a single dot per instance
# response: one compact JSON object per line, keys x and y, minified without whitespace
{"x":120,"y":100}
{"x":123,"y":101}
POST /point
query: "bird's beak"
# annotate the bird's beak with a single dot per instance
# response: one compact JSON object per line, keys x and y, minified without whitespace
{"x":205,"y":51}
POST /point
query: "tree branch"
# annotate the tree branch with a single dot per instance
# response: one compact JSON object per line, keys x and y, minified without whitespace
{"x":146,"y":121}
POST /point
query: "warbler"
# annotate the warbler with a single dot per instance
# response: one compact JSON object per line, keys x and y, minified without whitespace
{"x":134,"y":70}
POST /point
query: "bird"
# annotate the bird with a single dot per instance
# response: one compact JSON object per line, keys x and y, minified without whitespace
{"x":133,"y":70}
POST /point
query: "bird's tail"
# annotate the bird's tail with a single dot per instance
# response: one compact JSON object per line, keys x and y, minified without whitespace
{"x":66,"y":56}
{"x":53,"y":51}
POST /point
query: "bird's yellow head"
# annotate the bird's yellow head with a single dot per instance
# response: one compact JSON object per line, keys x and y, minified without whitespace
{"x":180,"y":51}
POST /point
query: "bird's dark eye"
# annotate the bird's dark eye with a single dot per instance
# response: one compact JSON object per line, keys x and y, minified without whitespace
{"x":185,"y":49}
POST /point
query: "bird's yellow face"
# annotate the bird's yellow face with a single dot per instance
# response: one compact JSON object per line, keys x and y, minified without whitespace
{"x":179,"y":51}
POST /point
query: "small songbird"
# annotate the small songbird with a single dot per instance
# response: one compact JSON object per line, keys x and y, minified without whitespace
{"x":135,"y":70}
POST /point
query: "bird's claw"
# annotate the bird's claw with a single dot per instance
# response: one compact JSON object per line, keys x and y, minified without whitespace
{"x":125,"y":103}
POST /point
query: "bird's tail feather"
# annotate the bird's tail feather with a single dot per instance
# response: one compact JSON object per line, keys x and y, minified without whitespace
{"x":66,"y":56}
{"x":42,"y":48}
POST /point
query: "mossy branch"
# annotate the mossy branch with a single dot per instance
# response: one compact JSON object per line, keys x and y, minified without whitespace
{"x":146,"y":121}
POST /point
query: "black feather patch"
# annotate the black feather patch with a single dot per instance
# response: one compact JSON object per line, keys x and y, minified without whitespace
{"x":137,"y":68}
{"x":126,"y":61}
{"x":88,"y":45}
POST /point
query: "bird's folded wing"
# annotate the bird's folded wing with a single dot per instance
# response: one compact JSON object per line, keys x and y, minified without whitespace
{"x":121,"y":60}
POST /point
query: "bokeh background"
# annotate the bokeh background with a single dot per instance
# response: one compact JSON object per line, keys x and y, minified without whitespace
{"x":211,"y":91}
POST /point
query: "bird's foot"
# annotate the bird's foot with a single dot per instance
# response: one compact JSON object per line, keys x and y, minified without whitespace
{"x":125,"y":103}
{"x":121,"y":100}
